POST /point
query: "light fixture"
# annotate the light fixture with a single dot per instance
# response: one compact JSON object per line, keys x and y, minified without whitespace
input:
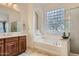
{"x":14,"y":5}
{"x":9,"y":4}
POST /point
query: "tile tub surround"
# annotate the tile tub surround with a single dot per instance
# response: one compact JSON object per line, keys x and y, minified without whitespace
{"x":62,"y":48}
{"x":53,"y":44}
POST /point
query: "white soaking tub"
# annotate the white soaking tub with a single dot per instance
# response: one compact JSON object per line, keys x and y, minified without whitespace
{"x":55,"y":46}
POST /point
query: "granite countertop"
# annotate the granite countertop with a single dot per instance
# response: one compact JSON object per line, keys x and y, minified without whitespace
{"x":7,"y":35}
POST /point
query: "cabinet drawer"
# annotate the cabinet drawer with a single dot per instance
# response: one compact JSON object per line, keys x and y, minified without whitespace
{"x":22,"y":37}
{"x":1,"y":41}
{"x":11,"y":39}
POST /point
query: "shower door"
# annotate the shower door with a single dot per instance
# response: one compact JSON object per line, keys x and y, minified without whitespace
{"x":74,"y":30}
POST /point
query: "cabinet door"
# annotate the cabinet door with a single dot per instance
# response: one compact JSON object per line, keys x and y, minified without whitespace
{"x":22,"y":44}
{"x":11,"y":48}
{"x":1,"y":49}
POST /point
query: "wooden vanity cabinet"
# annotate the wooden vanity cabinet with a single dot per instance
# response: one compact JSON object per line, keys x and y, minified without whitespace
{"x":22,"y":44}
{"x":11,"y":46}
{"x":1,"y":47}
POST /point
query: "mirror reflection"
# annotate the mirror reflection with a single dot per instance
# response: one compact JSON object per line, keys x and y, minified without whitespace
{"x":9,"y":21}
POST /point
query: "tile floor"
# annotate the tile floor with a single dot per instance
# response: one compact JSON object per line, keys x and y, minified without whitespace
{"x":32,"y":53}
{"x":36,"y":53}
{"x":39,"y":54}
{"x":73,"y":54}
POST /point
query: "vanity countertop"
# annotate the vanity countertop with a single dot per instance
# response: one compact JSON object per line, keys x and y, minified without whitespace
{"x":7,"y":35}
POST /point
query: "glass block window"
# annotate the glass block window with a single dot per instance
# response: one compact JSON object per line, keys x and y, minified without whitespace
{"x":55,"y":21}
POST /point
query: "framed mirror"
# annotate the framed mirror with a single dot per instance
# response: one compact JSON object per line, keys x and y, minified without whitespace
{"x":10,"y":20}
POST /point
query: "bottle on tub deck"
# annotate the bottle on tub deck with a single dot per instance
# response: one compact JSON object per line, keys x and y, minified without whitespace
{"x":66,"y":35}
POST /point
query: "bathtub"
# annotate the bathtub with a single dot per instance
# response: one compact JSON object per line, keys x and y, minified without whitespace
{"x":55,"y":42}
{"x":55,"y":47}
{"x":52,"y":44}
{"x":51,"y":47}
